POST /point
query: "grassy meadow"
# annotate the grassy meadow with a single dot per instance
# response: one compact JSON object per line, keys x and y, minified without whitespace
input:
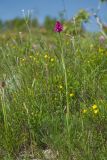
{"x":53,"y":96}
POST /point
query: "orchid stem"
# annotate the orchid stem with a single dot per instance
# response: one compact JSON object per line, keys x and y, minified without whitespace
{"x":66,"y":82}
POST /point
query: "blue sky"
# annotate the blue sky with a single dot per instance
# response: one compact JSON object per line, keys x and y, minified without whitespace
{"x":13,"y":8}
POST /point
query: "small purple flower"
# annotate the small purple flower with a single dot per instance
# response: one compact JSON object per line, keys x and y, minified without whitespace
{"x":58,"y":27}
{"x":101,"y":39}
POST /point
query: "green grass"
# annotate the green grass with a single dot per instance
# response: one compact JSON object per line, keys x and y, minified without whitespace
{"x":33,"y":104}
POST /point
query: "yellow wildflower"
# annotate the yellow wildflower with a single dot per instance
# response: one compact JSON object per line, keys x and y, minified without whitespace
{"x":71,"y":94}
{"x":30,"y":56}
{"x":96,"y":111}
{"x":23,"y":59}
{"x":60,"y":86}
{"x":46,"y":56}
{"x":84,"y":110}
{"x":94,"y":107}
{"x":52,"y":59}
{"x":34,"y":58}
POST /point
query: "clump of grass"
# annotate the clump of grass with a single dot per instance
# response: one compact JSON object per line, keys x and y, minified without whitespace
{"x":38,"y":95}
